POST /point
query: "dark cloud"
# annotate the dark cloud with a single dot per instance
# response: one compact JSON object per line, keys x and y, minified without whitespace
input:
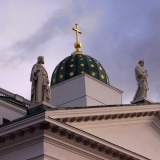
{"x":130,"y":32}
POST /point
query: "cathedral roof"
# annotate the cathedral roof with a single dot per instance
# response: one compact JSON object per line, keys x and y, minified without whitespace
{"x":56,"y":126}
{"x":77,"y":64}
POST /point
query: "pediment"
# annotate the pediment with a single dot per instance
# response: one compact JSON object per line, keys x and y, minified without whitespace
{"x":64,"y":135}
{"x":136,"y":128}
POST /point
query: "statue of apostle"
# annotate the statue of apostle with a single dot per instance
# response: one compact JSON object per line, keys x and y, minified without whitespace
{"x":141,"y":77}
{"x":40,"y":90}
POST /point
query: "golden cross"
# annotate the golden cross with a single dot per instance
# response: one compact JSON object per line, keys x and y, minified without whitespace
{"x":77,"y":31}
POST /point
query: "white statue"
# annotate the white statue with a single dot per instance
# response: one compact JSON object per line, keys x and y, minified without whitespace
{"x":40,"y":90}
{"x":141,"y":77}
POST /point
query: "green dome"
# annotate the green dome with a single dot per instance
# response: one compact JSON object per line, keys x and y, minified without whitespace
{"x":77,"y":64}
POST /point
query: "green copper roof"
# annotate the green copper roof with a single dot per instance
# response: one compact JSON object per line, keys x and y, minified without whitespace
{"x":78,"y":64}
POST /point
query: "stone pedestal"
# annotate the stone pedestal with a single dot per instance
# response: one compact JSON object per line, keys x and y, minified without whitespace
{"x":142,"y":101}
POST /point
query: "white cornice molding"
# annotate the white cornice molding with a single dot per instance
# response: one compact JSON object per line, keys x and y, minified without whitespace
{"x":26,"y":122}
{"x":13,"y":107}
{"x":156,"y":124}
{"x":131,"y":110}
{"x":3,"y":91}
{"x":114,"y":123}
{"x":15,"y":96}
{"x":68,"y":145}
{"x":20,"y":143}
{"x":104,"y":110}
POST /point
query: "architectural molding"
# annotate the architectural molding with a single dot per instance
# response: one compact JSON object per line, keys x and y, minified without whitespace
{"x":24,"y":122}
{"x":6,"y":93}
{"x":43,"y":157}
{"x":48,"y":122}
{"x":103,"y":110}
{"x":156,"y":124}
{"x":71,"y":146}
{"x":75,"y":138}
{"x":13,"y":107}
{"x":108,"y":116}
{"x":19,"y":143}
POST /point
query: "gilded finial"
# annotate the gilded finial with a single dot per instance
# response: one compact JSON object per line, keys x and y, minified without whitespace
{"x":77,"y":44}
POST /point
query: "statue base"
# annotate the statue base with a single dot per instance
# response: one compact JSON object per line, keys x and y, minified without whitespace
{"x":142,"y":101}
{"x":40,"y":107}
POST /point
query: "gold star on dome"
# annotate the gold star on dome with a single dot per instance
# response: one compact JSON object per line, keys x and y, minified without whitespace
{"x":107,"y":80}
{"x":93,"y":73}
{"x":71,"y":74}
{"x":61,"y":76}
{"x":100,"y":68}
{"x":82,"y":72}
{"x":54,"y":80}
{"x":102,"y":76}
{"x":61,"y":68}
{"x":71,"y":65}
{"x":82,"y":64}
{"x":92,"y":65}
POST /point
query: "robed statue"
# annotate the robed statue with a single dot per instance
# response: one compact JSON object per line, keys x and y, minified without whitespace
{"x":141,"y":77}
{"x":40,"y":90}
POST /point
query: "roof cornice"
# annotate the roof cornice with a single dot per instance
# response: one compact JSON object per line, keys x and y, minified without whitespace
{"x":18,"y":109}
{"x":43,"y":122}
{"x":105,"y":113}
{"x":74,"y":135}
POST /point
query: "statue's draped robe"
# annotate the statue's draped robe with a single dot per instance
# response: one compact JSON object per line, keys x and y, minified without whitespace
{"x":40,"y":90}
{"x":141,"y":77}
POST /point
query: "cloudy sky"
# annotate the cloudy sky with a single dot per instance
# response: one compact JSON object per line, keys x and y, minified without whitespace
{"x":118,"y":33}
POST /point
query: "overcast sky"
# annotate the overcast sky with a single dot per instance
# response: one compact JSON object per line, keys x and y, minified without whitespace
{"x":118,"y":33}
